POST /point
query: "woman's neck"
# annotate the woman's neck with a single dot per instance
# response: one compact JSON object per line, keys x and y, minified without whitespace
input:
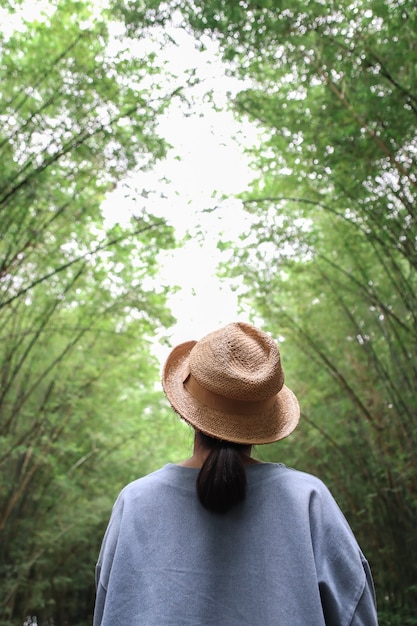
{"x":201,"y":452}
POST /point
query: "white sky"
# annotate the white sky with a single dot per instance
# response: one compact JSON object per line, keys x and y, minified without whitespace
{"x":211,"y":164}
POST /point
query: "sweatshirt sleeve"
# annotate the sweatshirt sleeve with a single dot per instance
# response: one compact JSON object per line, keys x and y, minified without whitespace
{"x":345,"y":580}
{"x":105,"y":560}
{"x":100,"y":602}
{"x":365,"y":612}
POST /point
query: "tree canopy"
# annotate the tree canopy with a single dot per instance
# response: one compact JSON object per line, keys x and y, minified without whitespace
{"x":79,"y":300}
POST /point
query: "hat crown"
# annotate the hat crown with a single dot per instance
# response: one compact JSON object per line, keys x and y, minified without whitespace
{"x":238,"y":362}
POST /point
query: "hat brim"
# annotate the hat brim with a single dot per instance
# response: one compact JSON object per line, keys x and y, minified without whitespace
{"x":275,"y":424}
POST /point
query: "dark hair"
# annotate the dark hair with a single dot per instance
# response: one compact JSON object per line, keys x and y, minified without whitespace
{"x":221,"y":482}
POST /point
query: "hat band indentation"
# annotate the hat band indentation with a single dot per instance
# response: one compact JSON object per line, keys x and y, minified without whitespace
{"x":221,"y":403}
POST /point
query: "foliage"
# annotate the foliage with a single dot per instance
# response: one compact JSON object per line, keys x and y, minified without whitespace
{"x":79,"y":301}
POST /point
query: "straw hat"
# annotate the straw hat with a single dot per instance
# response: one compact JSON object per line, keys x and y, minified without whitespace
{"x":230,"y":385}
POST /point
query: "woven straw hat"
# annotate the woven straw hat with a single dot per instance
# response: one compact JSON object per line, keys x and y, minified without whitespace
{"x":230,"y":385}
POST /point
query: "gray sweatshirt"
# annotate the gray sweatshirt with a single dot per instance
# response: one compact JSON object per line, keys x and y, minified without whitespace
{"x":284,"y":557}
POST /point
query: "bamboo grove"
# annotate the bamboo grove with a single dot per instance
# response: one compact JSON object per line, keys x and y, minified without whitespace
{"x":328,"y":263}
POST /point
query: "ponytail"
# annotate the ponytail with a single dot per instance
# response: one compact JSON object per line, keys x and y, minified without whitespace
{"x":221,"y":483}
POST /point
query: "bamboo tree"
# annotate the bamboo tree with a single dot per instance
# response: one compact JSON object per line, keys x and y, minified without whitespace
{"x":79,"y":303}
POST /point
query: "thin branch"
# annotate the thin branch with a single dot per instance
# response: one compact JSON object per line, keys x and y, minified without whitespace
{"x":358,"y":118}
{"x":80,"y":258}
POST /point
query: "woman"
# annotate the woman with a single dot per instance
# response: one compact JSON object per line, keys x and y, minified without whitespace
{"x":221,"y":538}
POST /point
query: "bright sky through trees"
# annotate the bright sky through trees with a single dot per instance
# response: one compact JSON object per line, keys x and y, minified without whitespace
{"x":206,"y":161}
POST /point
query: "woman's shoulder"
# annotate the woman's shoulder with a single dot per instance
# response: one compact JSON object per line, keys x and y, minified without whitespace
{"x":161,"y":479}
{"x":285,"y":484}
{"x":280,"y":473}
